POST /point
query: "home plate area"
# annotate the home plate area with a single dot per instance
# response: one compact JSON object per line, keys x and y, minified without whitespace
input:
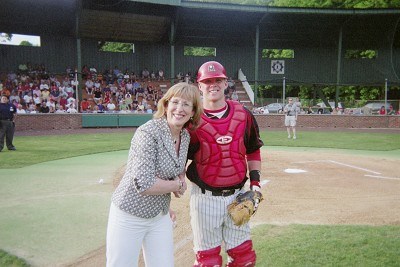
{"x":329,"y":188}
{"x":304,"y":187}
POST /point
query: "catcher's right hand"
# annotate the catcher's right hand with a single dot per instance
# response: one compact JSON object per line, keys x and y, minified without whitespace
{"x":244,"y":206}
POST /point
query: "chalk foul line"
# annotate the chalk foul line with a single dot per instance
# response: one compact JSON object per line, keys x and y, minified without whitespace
{"x":382,"y":177}
{"x":340,"y":163}
{"x":354,"y":167}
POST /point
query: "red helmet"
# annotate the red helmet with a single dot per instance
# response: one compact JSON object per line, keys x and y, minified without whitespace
{"x":211,"y":69}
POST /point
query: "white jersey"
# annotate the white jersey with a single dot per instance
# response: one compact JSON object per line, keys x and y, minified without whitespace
{"x":291,"y":110}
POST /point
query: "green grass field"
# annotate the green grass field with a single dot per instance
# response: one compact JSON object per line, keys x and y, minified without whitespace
{"x":292,"y":245}
{"x":36,"y":149}
{"x":337,"y":140}
{"x":314,"y":245}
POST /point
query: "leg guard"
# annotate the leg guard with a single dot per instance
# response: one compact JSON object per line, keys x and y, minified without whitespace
{"x":208,"y":258}
{"x":242,"y":255}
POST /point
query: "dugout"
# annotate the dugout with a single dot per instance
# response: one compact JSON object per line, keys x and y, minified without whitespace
{"x":160,"y":30}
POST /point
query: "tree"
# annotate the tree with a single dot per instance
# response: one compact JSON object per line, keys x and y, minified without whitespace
{"x":25,"y":43}
{"x":278,"y":53}
{"x":115,"y":47}
{"x":5,"y":37}
{"x":314,"y":3}
{"x":199,"y":51}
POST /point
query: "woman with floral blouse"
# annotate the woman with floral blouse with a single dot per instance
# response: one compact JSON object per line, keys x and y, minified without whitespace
{"x":140,"y":215}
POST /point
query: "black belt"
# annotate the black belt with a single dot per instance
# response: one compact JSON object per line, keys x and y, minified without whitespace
{"x":220,"y":193}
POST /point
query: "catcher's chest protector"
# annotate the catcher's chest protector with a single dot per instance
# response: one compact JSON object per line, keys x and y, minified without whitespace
{"x":221,"y":159}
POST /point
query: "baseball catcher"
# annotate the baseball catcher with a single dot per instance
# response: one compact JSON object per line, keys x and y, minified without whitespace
{"x":244,"y":206}
{"x":225,"y":154}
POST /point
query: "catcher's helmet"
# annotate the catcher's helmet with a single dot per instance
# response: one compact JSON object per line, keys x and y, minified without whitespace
{"x":211,"y":69}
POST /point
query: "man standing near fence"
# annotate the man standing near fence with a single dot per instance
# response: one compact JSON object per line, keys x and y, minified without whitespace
{"x":7,"y":125}
{"x":291,"y":111}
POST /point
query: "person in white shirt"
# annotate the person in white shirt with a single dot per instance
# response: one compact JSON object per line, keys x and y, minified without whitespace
{"x":89,"y":84}
{"x":111,"y":106}
{"x":20,"y":109}
{"x":291,"y":111}
{"x":71,"y":101}
{"x":51,"y":104}
{"x":62,"y":91}
{"x":28,"y":97}
{"x":69,"y":90}
{"x":43,"y":86}
{"x":60,"y":109}
{"x":32,"y":109}
{"x":72,"y":109}
{"x":71,"y":105}
{"x":75,"y":83}
{"x":37,"y":99}
{"x":97,"y":84}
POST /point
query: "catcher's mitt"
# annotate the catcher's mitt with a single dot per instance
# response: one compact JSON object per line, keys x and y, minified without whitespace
{"x":244,"y":206}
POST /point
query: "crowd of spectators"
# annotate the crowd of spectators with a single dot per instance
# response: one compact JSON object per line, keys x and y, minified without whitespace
{"x":33,"y":90}
{"x":120,"y":91}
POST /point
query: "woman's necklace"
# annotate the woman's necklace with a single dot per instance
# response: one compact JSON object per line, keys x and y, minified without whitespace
{"x":176,"y":139}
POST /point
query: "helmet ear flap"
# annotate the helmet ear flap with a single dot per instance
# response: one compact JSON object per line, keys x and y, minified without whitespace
{"x":211,"y":69}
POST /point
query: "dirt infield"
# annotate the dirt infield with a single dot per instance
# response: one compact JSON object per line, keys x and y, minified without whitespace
{"x":306,"y":187}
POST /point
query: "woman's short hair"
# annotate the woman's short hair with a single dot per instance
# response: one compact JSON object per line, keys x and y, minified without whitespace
{"x":188,"y":92}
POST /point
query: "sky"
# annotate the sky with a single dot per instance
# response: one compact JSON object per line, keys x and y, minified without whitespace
{"x":18,"y":38}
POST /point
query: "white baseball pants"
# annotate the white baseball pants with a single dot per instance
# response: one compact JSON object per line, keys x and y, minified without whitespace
{"x":211,"y":223}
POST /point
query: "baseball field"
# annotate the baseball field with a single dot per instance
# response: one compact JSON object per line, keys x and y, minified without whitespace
{"x":331,"y":198}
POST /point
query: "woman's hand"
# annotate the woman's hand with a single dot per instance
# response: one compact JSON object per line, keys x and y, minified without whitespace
{"x":182,"y":178}
{"x":176,"y":194}
{"x":182,"y":185}
{"x":172,"y":215}
{"x":181,"y":188}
